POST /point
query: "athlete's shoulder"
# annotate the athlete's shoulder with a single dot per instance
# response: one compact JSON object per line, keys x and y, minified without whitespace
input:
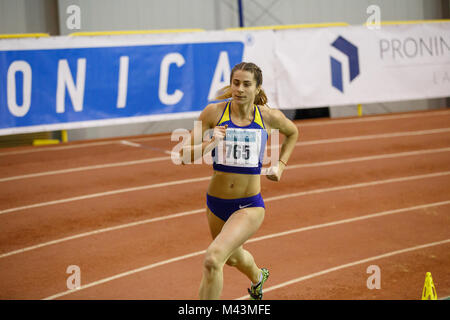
{"x":271,"y":116}
{"x":212,"y":112}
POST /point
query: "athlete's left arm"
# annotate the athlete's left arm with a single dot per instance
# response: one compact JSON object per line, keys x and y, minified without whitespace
{"x":278,"y":121}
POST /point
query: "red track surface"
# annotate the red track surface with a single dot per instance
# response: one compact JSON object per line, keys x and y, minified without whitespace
{"x":372,"y":178}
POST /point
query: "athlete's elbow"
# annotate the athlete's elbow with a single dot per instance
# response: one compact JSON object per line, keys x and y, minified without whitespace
{"x":293,"y":133}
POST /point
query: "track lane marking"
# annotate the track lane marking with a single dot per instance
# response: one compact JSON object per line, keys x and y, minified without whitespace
{"x":197,"y":253}
{"x":185,"y":213}
{"x":78,"y":169}
{"x":143,"y":161}
{"x":102,"y":194}
{"x":374,"y":136}
{"x":176,"y":182}
{"x":79,"y":145}
{"x":374,"y":118}
{"x":315,"y":123}
{"x":351,"y":264}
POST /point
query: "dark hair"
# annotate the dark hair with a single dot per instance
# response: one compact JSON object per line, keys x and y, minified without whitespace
{"x":261,"y":97}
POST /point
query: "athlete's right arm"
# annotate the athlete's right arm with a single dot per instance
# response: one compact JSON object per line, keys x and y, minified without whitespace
{"x":195,"y":147}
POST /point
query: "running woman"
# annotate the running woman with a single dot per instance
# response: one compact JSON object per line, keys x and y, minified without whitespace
{"x":235,"y":209}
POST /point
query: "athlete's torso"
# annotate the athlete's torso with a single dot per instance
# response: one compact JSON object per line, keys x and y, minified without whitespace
{"x":237,"y":172}
{"x":244,"y":146}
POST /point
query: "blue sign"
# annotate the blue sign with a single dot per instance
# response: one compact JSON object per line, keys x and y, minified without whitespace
{"x":60,"y":86}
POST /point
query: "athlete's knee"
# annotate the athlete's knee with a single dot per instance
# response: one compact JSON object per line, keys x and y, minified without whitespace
{"x":213,"y":260}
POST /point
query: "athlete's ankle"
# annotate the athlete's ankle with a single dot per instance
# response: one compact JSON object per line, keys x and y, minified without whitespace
{"x":259,"y":279}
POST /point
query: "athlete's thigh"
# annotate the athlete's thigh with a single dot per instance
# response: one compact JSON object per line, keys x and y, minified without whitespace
{"x":239,"y":228}
{"x":214,"y":222}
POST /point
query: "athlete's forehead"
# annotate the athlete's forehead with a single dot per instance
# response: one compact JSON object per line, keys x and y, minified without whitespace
{"x":243,"y":76}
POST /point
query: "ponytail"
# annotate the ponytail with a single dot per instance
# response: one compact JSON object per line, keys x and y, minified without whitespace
{"x":224,"y":93}
{"x":261,"y":98}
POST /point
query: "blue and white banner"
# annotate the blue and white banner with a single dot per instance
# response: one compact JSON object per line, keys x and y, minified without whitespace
{"x":81,"y":82}
{"x":355,"y":64}
{"x":74,"y":82}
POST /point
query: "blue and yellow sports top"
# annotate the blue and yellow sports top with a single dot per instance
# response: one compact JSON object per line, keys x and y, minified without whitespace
{"x":242,"y":150}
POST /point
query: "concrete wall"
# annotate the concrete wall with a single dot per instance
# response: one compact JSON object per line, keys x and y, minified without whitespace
{"x":29,"y":16}
{"x":104,"y":15}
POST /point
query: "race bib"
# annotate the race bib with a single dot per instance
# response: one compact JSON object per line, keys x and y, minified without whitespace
{"x":240,"y":148}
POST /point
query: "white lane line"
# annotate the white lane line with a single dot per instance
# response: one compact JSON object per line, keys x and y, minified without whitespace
{"x":59,"y":148}
{"x":373,"y":118}
{"x":135,"y":162}
{"x":365,"y":217}
{"x":351,"y":264}
{"x":165,"y":184}
{"x":107,"y":193}
{"x":360,"y":185}
{"x":121,"y":275}
{"x":187,"y":256}
{"x":77,"y":146}
{"x":315,"y":123}
{"x":181,"y":214}
{"x":368,"y":158}
{"x":161,"y":137}
{"x":100,"y":166}
{"x":131,"y":144}
{"x":374,"y":136}
{"x":138,"y":145}
{"x":98,"y":231}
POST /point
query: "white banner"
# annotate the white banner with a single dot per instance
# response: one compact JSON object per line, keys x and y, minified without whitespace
{"x":351,"y":65}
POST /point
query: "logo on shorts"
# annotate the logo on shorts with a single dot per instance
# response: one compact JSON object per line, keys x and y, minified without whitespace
{"x":351,"y":51}
{"x":247,"y":205}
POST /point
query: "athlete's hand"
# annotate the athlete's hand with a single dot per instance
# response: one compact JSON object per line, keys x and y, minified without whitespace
{"x":219,"y":133}
{"x":274,"y":173}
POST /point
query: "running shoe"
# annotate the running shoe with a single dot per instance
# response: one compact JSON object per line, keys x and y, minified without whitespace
{"x":256,"y":292}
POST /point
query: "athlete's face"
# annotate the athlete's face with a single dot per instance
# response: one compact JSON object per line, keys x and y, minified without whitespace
{"x":243,"y":87}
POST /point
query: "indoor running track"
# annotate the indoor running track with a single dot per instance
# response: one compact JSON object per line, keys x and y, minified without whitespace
{"x":357,"y":192}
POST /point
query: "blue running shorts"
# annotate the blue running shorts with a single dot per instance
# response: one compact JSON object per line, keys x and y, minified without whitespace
{"x":224,"y":208}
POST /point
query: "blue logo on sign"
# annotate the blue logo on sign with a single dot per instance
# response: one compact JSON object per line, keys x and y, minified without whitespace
{"x":351,"y":51}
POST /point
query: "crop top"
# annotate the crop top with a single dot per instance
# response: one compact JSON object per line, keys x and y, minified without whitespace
{"x":242,"y":150}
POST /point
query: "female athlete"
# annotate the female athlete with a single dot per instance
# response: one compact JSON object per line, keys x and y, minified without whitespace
{"x":235,"y":209}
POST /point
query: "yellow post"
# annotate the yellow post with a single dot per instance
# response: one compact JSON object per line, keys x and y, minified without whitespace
{"x":359,"y":110}
{"x":429,"y":291}
{"x":64,"y":138}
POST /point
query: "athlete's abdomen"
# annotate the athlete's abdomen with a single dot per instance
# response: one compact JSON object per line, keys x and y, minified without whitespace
{"x":227,"y":185}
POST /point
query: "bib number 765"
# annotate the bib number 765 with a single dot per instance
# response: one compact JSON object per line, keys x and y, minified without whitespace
{"x":238,"y":151}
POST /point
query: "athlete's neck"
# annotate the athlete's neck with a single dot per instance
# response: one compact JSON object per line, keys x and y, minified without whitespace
{"x":242,"y":111}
